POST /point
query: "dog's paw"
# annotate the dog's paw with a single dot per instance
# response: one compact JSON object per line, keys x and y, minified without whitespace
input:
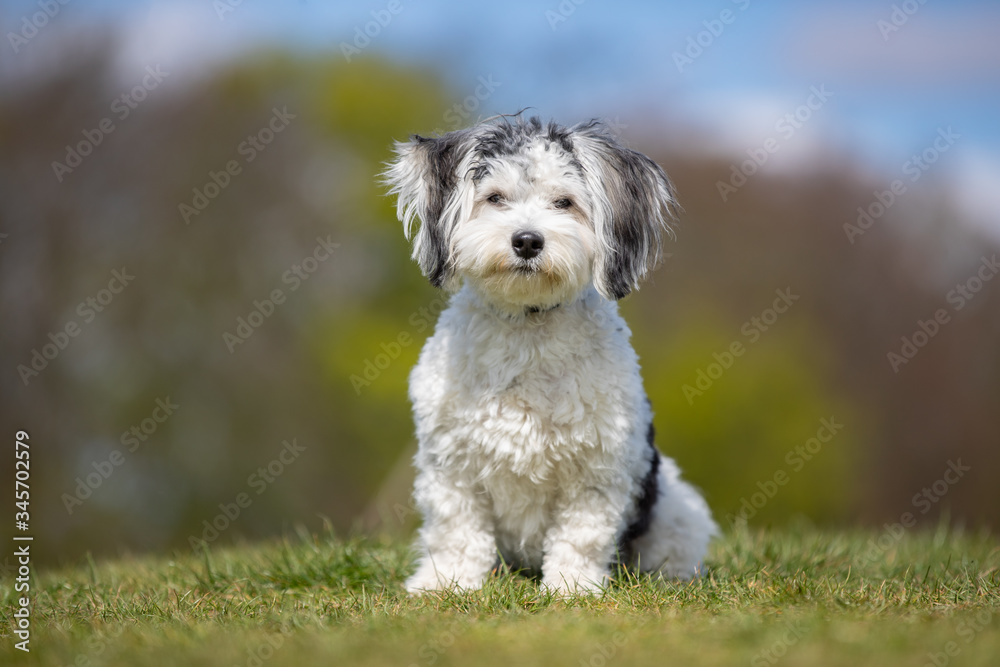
{"x":565,"y":584}
{"x":428,"y":579}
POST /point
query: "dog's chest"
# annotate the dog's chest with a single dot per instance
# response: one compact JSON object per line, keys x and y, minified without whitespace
{"x":531,"y":401}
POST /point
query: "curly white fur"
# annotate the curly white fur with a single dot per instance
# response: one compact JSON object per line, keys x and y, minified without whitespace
{"x":533,"y":425}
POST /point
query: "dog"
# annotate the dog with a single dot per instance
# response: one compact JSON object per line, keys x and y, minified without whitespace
{"x":535,"y":434}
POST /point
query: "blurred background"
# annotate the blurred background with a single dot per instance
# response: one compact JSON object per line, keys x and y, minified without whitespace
{"x":209,"y":312}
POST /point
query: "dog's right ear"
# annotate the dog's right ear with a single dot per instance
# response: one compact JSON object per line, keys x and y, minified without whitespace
{"x":427,"y":175}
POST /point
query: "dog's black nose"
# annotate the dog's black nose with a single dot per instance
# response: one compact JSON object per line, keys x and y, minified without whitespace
{"x":527,"y":244}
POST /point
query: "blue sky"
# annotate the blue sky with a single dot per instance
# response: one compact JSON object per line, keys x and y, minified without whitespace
{"x":892,"y":89}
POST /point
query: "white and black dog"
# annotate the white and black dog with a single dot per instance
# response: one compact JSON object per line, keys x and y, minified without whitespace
{"x":535,"y":433}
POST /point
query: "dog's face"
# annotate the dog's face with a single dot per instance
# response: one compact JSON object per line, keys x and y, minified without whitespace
{"x":531,"y":214}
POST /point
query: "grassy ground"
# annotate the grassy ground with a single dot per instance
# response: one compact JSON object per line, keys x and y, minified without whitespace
{"x":793,"y":597}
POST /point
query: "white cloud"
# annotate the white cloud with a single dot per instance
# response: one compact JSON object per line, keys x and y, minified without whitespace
{"x":731,"y":123}
{"x":951,"y":45}
{"x":974,"y":181}
{"x":187,"y":36}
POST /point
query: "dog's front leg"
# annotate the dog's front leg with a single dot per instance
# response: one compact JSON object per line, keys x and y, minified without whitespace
{"x":581,"y":544}
{"x":457,"y":544}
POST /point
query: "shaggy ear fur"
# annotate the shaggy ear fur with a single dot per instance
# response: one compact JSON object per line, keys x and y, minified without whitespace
{"x":633,"y":202}
{"x":426,"y":178}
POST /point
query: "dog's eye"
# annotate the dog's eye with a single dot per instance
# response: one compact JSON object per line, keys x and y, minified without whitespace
{"x":562,"y":203}
{"x":495,"y":198}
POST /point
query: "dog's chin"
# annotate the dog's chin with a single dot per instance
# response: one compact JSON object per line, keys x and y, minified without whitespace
{"x":526,"y":285}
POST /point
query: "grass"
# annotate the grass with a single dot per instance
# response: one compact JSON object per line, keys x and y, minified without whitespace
{"x":796,"y":596}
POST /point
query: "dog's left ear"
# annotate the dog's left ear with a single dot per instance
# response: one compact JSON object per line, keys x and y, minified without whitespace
{"x":427,"y":176}
{"x":633,"y":204}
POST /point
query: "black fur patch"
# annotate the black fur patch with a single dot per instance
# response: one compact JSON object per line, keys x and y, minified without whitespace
{"x":635,"y":205}
{"x":644,"y":501}
{"x":509,"y":138}
{"x":639,"y":195}
{"x":442,"y":158}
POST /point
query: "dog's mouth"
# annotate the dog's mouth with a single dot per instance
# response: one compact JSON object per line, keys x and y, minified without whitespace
{"x":514,"y":268}
{"x":522,"y":277}
{"x":532,"y":284}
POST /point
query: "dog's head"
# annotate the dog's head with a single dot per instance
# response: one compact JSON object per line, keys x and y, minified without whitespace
{"x":531,"y":213}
